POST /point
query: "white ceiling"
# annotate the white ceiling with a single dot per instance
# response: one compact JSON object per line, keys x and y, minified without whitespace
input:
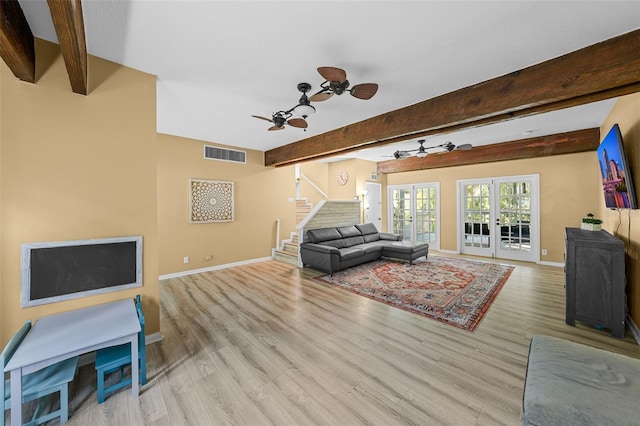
{"x":219,"y":62}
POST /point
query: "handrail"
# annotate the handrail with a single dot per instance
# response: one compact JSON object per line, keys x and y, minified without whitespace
{"x":314,"y":185}
{"x":277,"y":234}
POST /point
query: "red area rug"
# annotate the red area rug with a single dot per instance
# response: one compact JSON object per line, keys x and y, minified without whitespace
{"x":454,"y":291}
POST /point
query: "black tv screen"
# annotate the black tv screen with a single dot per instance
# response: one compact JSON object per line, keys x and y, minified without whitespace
{"x":617,"y":182}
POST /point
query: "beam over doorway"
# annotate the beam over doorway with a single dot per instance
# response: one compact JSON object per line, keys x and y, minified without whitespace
{"x":601,"y":71}
{"x":541,"y":146}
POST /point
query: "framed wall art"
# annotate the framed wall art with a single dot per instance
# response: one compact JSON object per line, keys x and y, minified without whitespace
{"x":210,"y":201}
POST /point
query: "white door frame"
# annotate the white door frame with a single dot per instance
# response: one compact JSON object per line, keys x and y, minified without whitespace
{"x":494,"y":234}
{"x":460,"y":222}
{"x":373,"y":204}
{"x":534,"y":223}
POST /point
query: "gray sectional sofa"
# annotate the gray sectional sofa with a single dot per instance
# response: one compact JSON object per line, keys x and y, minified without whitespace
{"x":332,"y":249}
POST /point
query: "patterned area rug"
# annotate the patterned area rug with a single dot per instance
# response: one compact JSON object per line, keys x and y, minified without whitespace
{"x":455,"y":291}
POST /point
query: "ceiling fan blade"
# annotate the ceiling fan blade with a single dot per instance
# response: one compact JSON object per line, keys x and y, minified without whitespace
{"x":262,"y":118}
{"x":333,"y":74}
{"x":298,"y":122}
{"x":275,"y":128}
{"x":464,"y":147}
{"x":322,"y":96}
{"x":364,"y":91}
{"x":401,"y":155}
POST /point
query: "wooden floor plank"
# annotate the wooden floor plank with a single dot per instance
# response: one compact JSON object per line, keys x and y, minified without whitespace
{"x":267,"y":343}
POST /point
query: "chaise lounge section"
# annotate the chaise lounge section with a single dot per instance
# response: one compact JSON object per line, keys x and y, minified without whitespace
{"x":332,"y":249}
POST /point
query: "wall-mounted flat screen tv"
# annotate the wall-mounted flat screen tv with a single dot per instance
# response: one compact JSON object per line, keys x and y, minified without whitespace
{"x":617,"y":182}
{"x":63,"y":270}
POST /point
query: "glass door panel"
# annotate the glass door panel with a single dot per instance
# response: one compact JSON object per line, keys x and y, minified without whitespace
{"x":516,"y":205}
{"x":401,"y":212}
{"x":477,"y":218}
{"x":426,"y":217}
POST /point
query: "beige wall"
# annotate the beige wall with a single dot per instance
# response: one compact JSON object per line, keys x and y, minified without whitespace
{"x":2,"y":338}
{"x":76,"y":167}
{"x":625,"y":224}
{"x":261,"y":196}
{"x":568,"y":188}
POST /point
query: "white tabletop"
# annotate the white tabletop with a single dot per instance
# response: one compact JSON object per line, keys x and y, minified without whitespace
{"x":75,"y":332}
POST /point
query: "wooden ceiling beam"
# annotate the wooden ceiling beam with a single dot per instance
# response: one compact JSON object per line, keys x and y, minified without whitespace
{"x":69,"y":24}
{"x":541,"y":146}
{"x":601,"y":71}
{"x":17,"y":46}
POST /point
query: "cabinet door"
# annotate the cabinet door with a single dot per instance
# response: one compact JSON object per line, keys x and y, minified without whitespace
{"x":593,"y":284}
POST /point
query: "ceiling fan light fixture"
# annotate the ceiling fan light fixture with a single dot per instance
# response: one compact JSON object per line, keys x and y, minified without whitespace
{"x":304,"y":110}
{"x":421,"y":154}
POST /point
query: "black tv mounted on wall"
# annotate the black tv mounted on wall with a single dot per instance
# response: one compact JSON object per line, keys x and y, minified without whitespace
{"x":617,"y":181}
{"x":63,"y":270}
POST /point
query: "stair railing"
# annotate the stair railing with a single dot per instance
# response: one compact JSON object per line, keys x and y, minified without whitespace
{"x":299,"y":175}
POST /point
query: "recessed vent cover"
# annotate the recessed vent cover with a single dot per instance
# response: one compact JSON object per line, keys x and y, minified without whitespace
{"x":223,"y":154}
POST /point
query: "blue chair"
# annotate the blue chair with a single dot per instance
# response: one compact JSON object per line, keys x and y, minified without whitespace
{"x":116,"y":358}
{"x":39,"y":384}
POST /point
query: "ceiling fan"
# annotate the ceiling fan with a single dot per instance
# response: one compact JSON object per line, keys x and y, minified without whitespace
{"x":336,"y":83}
{"x":280,"y":118}
{"x":302,"y":109}
{"x":421,"y":151}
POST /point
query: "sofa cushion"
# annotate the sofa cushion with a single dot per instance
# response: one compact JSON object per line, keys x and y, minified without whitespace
{"x":367,"y":228}
{"x":351,"y":253}
{"x":372,"y":248}
{"x":323,"y":234}
{"x":352,"y":241}
{"x":349,"y":231}
{"x":339,"y":243}
{"x":370,"y":238}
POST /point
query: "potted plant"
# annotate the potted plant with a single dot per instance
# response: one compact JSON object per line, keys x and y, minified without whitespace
{"x":590,"y":223}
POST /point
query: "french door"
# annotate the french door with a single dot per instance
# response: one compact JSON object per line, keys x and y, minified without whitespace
{"x":499,"y":217}
{"x":414,"y":212}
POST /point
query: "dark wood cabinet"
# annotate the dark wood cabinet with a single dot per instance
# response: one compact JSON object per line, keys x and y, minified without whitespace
{"x":595,"y":279}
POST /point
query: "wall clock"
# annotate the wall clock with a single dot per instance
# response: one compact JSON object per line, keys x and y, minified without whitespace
{"x":342,"y":177}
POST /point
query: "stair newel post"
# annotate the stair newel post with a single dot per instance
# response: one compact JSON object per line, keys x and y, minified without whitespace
{"x":277,"y":234}
{"x":297,"y":177}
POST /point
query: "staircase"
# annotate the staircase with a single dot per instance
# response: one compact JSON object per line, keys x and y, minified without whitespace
{"x":290,"y":249}
{"x":303,"y":208}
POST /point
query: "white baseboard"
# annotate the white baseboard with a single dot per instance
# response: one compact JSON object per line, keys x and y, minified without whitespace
{"x":153,"y":338}
{"x":448,"y":251}
{"x":213,"y":268}
{"x":558,"y":264}
{"x":634,"y":329}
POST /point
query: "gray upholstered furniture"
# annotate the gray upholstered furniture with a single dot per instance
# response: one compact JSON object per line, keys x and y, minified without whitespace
{"x":572,"y":384}
{"x":336,"y":248}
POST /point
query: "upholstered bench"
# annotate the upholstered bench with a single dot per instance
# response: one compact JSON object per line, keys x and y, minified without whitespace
{"x":406,"y":250}
{"x":572,"y":384}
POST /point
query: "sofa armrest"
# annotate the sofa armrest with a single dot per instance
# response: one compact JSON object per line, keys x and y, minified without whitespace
{"x":324,"y":258}
{"x":320,"y":248}
{"x":390,"y":237}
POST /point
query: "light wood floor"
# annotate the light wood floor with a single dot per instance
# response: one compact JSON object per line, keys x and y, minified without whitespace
{"x":267,"y":344}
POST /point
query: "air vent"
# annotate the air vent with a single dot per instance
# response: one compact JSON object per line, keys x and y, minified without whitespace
{"x":223,"y":154}
{"x":373,"y":176}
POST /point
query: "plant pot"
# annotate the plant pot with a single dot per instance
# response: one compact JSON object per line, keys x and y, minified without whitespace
{"x":590,"y":226}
